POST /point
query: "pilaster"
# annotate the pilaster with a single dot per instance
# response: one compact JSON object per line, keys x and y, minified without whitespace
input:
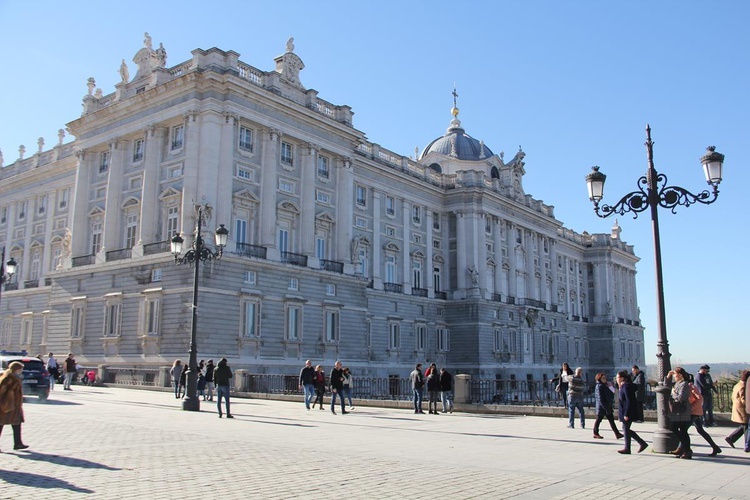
{"x":405,"y":248}
{"x":79,"y":226}
{"x":112,"y":211}
{"x":344,"y":197}
{"x":154,"y":142}
{"x":268,"y":187}
{"x":307,"y":199}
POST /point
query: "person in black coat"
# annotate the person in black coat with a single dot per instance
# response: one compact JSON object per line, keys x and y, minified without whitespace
{"x":628,"y":411}
{"x":433,"y":388}
{"x":337,"y":386}
{"x":446,"y":390}
{"x":319,"y":379}
{"x":605,"y":399}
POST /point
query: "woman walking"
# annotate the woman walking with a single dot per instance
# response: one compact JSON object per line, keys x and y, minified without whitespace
{"x":679,"y":410}
{"x":628,"y":412}
{"x":176,"y":372}
{"x":605,"y":399}
{"x":320,"y":386}
{"x":11,"y":402}
{"x":433,"y":388}
{"x":346,"y":392}
{"x":739,"y":415}
{"x":696,"y":412}
{"x":562,"y":382}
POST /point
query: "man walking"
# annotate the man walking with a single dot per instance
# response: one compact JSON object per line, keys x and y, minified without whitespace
{"x":417,"y":386}
{"x":54,"y":370}
{"x":70,"y":371}
{"x":575,"y":398}
{"x":337,"y":387}
{"x":446,"y":390}
{"x":307,"y":382}
{"x":705,"y":383}
{"x":210,"y":380}
{"x":639,"y":380}
{"x":222,"y":376}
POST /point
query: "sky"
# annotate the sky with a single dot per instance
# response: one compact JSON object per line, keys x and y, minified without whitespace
{"x":574,"y":83}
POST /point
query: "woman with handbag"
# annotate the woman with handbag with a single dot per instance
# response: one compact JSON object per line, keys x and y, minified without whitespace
{"x":11,"y":402}
{"x":679,"y":410}
{"x":320,"y":386}
{"x":604,"y":406}
{"x":696,"y":412}
{"x":739,"y":415}
{"x":561,"y":382}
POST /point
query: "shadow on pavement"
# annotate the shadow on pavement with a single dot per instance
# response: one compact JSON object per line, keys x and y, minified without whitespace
{"x":63,"y":460}
{"x":39,"y":481}
{"x":50,"y":402}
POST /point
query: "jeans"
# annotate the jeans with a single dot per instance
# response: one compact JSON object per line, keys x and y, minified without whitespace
{"x":630,"y":434}
{"x":309,"y":394}
{"x":209,"y":391}
{"x":610,"y":417}
{"x":572,"y":405}
{"x":446,"y":397}
{"x":417,"y":400}
{"x":747,"y":437}
{"x":333,"y":400}
{"x":68,"y":380}
{"x":222,"y":391}
{"x":708,"y":408}
{"x":432,"y":405}
{"x":346,"y":393}
{"x":176,"y":384}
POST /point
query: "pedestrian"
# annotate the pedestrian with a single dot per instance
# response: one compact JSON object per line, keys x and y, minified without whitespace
{"x":417,"y":387}
{"x":320,"y":386}
{"x":561,"y":382}
{"x":54,"y":371}
{"x":183,"y":380}
{"x":639,"y":380}
{"x":679,"y":410}
{"x":446,"y":390}
{"x":348,"y":386}
{"x":210,"y":380}
{"x":201,"y":384}
{"x":91,"y":376}
{"x":605,"y":398}
{"x":628,"y":412}
{"x":696,"y":414}
{"x":222,"y":376}
{"x":705,"y":383}
{"x":747,"y":412}
{"x":307,"y":382}
{"x":175,"y":372}
{"x":433,"y":389}
{"x":575,"y":398}
{"x":336,"y":379}
{"x":70,"y":371}
{"x":739,"y":415}
{"x":11,"y":402}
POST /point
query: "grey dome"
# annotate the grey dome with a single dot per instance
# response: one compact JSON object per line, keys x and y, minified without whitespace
{"x":458,"y":144}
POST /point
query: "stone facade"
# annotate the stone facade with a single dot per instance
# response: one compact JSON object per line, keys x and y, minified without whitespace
{"x":338,"y":248}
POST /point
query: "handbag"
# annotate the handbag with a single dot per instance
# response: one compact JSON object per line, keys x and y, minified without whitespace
{"x":557,"y":388}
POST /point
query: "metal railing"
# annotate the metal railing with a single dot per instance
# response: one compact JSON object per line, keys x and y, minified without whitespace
{"x":248,"y":250}
{"x":154,"y":248}
{"x":132,"y":376}
{"x":31,"y":284}
{"x":10,"y":286}
{"x":419,"y":292}
{"x":332,"y":265}
{"x":120,"y":254}
{"x":83,"y":260}
{"x":496,"y":297}
{"x":295,"y":259}
{"x":393,"y":287}
{"x":441,"y":295}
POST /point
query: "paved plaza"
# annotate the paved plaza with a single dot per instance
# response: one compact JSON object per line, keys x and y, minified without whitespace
{"x":99,"y":442}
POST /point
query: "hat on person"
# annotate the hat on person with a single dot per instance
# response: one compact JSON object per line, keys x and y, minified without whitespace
{"x":705,"y":367}
{"x":15,"y":366}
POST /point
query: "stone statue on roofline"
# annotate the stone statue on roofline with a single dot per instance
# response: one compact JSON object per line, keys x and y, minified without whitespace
{"x":124,"y":72}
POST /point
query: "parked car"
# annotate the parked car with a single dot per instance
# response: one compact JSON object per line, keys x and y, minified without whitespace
{"x":35,"y":374}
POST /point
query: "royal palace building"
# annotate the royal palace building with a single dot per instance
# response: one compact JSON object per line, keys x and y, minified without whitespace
{"x":338,"y":248}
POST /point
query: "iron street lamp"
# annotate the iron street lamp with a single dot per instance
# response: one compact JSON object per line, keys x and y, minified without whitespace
{"x":197,"y":253}
{"x":653,"y":192}
{"x":10,"y":268}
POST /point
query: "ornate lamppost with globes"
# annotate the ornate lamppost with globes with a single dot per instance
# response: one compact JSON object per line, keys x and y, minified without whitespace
{"x":654,"y":192}
{"x":197,"y":253}
{"x":10,"y":268}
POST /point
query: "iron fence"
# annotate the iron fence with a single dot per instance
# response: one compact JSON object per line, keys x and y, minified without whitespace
{"x":131,"y":376}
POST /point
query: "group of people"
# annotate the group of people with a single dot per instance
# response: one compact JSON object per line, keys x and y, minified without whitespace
{"x":439,"y":384}
{"x":209,"y":377}
{"x":69,"y":369}
{"x":313,"y":382}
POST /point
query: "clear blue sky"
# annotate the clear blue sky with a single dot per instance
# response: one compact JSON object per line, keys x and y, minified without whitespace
{"x":574,"y":83}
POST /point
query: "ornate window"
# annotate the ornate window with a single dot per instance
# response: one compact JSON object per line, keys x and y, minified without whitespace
{"x":27,"y":328}
{"x":178,"y":136}
{"x":246,"y":139}
{"x":421,"y":337}
{"x":323,"y":167}
{"x":113,"y":315}
{"x":293,"y":322}
{"x":287,"y":153}
{"x":104,"y":157}
{"x":332,"y":325}
{"x":250,"y":317}
{"x":137,"y":150}
{"x":394,"y":335}
{"x":443,"y":340}
{"x":151,"y":312}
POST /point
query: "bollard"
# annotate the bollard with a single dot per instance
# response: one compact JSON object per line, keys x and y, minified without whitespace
{"x":102,"y":375}
{"x":240,"y":381}
{"x":462,"y":389}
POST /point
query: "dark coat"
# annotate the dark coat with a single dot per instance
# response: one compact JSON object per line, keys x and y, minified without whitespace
{"x":319,"y":379}
{"x":210,"y":372}
{"x":604,"y":399}
{"x":307,"y":376}
{"x":337,"y":379}
{"x":640,"y":384}
{"x":446,"y":381}
{"x":628,"y":402}
{"x":222,"y":374}
{"x":11,"y":399}
{"x":433,"y":381}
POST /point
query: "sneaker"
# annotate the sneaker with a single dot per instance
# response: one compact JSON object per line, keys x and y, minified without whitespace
{"x":20,"y":447}
{"x":351,"y":408}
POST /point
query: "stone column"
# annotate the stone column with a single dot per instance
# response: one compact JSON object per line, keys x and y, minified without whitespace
{"x":209,"y":165}
{"x":497,"y":244}
{"x":113,"y":213}
{"x":445,"y":277}
{"x":427,"y":267}
{"x":377,"y":249}
{"x":528,"y":240}
{"x":512,"y":261}
{"x":462,"y":389}
{"x":307,"y":202}
{"x":553,"y":270}
{"x":24,"y":268}
{"x":190,"y":168}
{"x":224,"y":177}
{"x":154,"y":141}
{"x":461,"y":257}
{"x":79,"y":225}
{"x":270,"y":163}
{"x":48,"y":226}
{"x":344,"y":193}
{"x":481,"y":250}
{"x":405,"y":256}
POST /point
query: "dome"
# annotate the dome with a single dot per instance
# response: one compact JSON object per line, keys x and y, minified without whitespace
{"x":457,"y":143}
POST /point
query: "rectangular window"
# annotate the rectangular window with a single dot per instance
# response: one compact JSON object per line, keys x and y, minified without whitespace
{"x":174,"y":172}
{"x":151,"y":313}
{"x":394,"y":336}
{"x":100,"y":193}
{"x":251,"y":319}
{"x":103,"y":161}
{"x":250,"y":277}
{"x":56,"y":258}
{"x":323,"y":197}
{"x":135,"y":183}
{"x":416,"y":214}
{"x":76,"y":321}
{"x":418,"y":239}
{"x":63,"y":197}
{"x":363,"y":261}
{"x":390,"y":205}
{"x":156,"y":275}
{"x":361,"y":196}
{"x":543,"y":344}
{"x":498,"y":345}
{"x":3,"y":215}
{"x":240,"y":230}
{"x":390,"y":231}
{"x":323,"y":167}
{"x":320,"y":248}
{"x":178,"y":136}
{"x":293,"y":322}
{"x":96,"y":237}
{"x":416,"y":273}
{"x":421,"y":337}
{"x":286,"y":186}
{"x":287,"y":153}
{"x":293,"y":284}
{"x":488,"y":225}
{"x":436,"y":279}
{"x":27,"y":325}
{"x":173,"y":217}
{"x":112,"y":314}
{"x":332,"y":326}
{"x":513,"y":341}
{"x":245,"y":173}
{"x":36,"y":262}
{"x":390,"y":269}
{"x":131,"y":231}
{"x":443,"y":340}
{"x":246,"y":139}
{"x":331,"y":289}
{"x":283,"y":240}
{"x":7,"y":327}
{"x":436,"y":221}
{"x":22,"y":210}
{"x":42,"y":204}
{"x":360,"y":222}
{"x":436,"y":244}
{"x":137,"y":150}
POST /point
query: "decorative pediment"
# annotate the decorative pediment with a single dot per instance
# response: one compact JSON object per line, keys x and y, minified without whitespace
{"x":392,"y":247}
{"x":325,"y":217}
{"x":170,"y":192}
{"x":130,"y":202}
{"x":491,"y":262}
{"x":96,"y":212}
{"x":417,"y":254}
{"x":245,"y":197}
{"x":36,"y":243}
{"x":289,"y":206}
{"x":439,"y":259}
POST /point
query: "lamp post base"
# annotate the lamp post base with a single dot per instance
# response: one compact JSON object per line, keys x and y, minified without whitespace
{"x":191,"y":404}
{"x":664,"y":440}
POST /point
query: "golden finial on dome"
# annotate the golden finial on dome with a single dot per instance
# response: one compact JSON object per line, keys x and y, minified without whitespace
{"x":454,"y":111}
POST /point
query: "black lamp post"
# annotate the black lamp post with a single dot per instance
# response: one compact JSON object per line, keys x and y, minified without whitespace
{"x":10,"y":268}
{"x":653,"y":192}
{"x":197,"y":253}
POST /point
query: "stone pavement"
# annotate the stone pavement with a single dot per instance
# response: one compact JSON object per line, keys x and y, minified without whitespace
{"x":119,"y":443}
